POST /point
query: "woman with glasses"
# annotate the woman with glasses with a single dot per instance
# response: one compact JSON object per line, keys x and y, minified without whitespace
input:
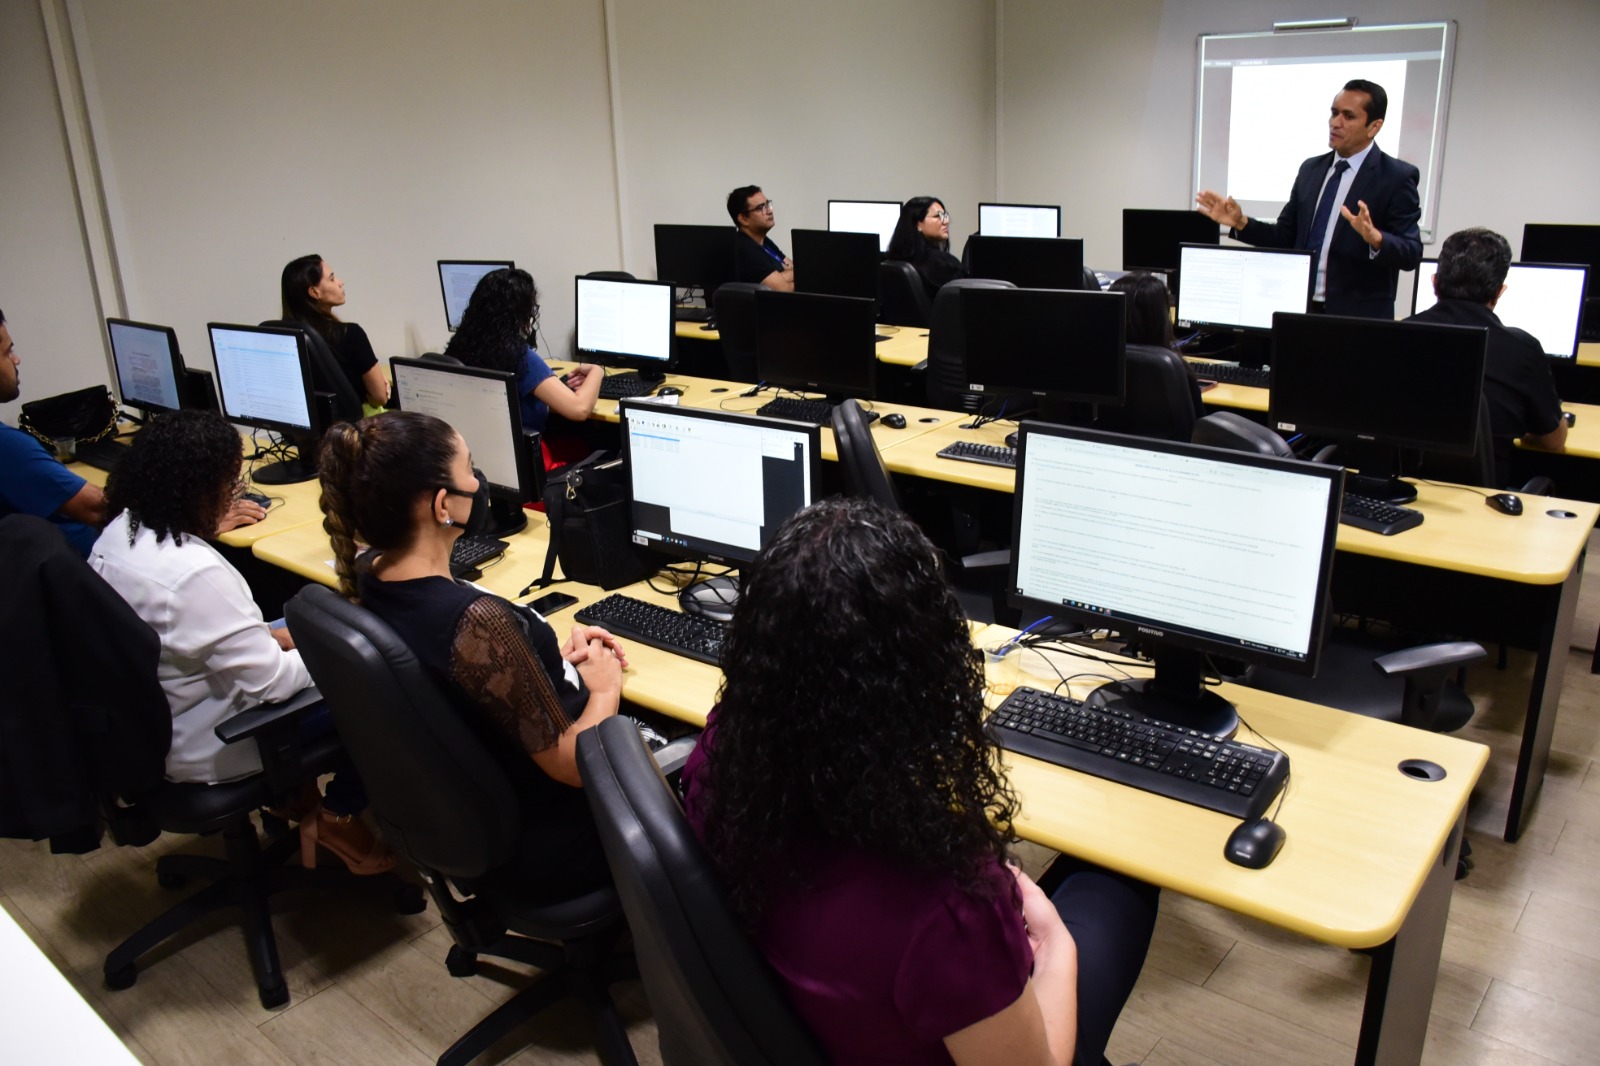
{"x":496,"y":333}
{"x":922,"y":238}
{"x":176,"y":488}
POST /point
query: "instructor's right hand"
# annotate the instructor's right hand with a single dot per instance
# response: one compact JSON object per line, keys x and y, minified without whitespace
{"x":1222,"y":209}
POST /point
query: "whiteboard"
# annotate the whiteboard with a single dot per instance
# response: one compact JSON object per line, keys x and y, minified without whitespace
{"x":1262,"y":100}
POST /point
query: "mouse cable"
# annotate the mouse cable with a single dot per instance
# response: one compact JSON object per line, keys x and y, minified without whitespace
{"x":1464,"y":488}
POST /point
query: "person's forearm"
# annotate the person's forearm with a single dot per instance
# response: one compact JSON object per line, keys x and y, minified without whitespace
{"x":601,"y":705}
{"x":1055,"y":982}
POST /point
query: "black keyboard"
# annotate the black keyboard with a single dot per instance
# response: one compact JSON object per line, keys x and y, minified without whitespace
{"x":691,"y":314}
{"x":623,"y":386}
{"x":1364,"y":512}
{"x":811,"y":412}
{"x":469,"y":553}
{"x":657,"y":626}
{"x":1256,"y":377}
{"x":970,"y":452}
{"x":1234,"y":778}
{"x":103,"y":454}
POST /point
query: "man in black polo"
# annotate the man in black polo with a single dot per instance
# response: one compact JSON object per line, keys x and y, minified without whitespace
{"x":755,"y":258}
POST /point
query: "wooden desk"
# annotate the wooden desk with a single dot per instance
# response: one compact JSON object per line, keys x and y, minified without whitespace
{"x":906,"y":347}
{"x":1589,"y":354}
{"x":1236,"y":398}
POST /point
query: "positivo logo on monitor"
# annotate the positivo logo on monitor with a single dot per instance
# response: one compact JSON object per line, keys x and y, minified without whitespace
{"x":1147,"y":631}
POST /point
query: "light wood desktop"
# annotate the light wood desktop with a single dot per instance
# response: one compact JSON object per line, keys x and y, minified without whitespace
{"x":1236,"y":397}
{"x":1589,"y":353}
{"x":906,"y":345}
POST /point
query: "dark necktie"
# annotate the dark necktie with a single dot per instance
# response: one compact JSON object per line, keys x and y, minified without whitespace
{"x":1330,"y":193}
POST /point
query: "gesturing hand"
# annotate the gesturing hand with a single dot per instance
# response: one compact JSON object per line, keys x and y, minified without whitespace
{"x":1362,"y":223}
{"x":1221,"y":209}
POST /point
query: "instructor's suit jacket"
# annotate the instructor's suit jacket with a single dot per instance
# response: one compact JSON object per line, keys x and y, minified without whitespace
{"x":1358,"y":283}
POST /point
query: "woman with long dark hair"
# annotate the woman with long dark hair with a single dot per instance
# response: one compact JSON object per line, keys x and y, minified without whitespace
{"x":922,"y":238}
{"x":310,"y":291}
{"x":845,"y":789}
{"x":1149,"y":320}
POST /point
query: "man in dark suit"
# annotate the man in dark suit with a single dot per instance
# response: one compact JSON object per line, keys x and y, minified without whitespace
{"x":1359,"y":259}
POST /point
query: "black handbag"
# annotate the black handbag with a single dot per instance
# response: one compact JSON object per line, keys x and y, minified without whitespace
{"x":588,"y":507}
{"x":84,"y":415}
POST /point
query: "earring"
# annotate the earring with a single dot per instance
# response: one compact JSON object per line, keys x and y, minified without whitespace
{"x":447,"y":522}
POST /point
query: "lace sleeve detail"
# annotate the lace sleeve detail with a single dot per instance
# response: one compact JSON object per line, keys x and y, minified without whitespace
{"x":494,"y":664}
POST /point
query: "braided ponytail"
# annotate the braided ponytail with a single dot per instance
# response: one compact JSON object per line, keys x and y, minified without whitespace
{"x":341,"y":454}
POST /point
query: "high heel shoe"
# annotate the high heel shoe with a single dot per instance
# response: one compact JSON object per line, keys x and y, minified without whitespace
{"x":348,"y":838}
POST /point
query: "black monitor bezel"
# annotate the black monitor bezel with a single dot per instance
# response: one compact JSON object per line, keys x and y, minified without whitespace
{"x":805,"y":256}
{"x":1284,"y":323}
{"x":528,"y":482}
{"x":864,"y":387}
{"x":179,"y":371}
{"x":710,"y":234}
{"x":969,"y":296}
{"x":1171,"y":214}
{"x":1588,"y":230}
{"x":813,"y":434}
{"x":1583,"y":299}
{"x":1240,"y":328}
{"x":1036,"y":207}
{"x":302,"y":348}
{"x":627,"y":359}
{"x":883,"y":238}
{"x":978,"y":246}
{"x":440,"y":264}
{"x":1205,"y":643}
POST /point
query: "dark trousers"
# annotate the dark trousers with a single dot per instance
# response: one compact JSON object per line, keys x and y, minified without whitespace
{"x":345,"y":793}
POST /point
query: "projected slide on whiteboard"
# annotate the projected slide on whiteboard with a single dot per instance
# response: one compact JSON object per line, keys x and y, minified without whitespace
{"x":1262,"y":104}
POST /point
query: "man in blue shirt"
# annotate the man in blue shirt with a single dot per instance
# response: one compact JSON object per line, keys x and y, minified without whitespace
{"x":32,"y":481}
{"x":756,"y":257}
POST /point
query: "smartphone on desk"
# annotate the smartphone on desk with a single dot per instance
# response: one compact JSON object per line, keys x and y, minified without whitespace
{"x":551,"y":602}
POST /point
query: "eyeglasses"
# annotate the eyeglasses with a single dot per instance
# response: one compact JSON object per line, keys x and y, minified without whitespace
{"x":940,"y":216}
{"x":764,"y":207}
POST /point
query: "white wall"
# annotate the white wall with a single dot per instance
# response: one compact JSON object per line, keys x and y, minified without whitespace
{"x":1098,"y":106}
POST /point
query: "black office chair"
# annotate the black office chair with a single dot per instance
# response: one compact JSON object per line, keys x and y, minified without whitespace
{"x":94,"y":676}
{"x":902,"y":298}
{"x":440,"y":358}
{"x":716,"y":1001}
{"x":446,"y":806}
{"x":947,"y":346}
{"x":1478,"y":468}
{"x":735,"y":308}
{"x":1160,"y":400}
{"x":611,"y":275}
{"x":326,"y":373}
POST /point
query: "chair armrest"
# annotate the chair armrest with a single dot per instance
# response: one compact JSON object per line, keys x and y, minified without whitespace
{"x":1325,"y":453}
{"x":1446,"y":656}
{"x":920,"y":368}
{"x":990,"y":560}
{"x":1539,"y":485}
{"x":249,"y":724}
{"x":671,"y":758}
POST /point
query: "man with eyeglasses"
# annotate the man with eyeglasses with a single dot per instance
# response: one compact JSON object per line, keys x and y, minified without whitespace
{"x":755,"y":258}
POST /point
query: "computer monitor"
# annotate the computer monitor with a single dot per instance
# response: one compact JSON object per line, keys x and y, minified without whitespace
{"x":457,"y":280}
{"x":816,"y":343}
{"x":1046,"y":344}
{"x":484,"y":407}
{"x":1027,"y":262}
{"x":1019,"y":220}
{"x":1378,"y":386}
{"x":836,"y":264}
{"x":1550,"y":242}
{"x":264,"y":381}
{"x":1236,"y":291}
{"x":1190,"y":551}
{"x":714,"y":485}
{"x":1151,"y":238}
{"x":1544,"y":299}
{"x":865,"y":216}
{"x":150,"y":372}
{"x":695,"y":257}
{"x":627,"y":324}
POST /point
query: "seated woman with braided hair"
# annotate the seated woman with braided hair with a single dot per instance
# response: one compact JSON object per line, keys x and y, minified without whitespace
{"x":845,"y":789}
{"x":403,"y":482}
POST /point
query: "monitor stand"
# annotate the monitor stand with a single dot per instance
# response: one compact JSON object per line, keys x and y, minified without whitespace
{"x":1381,"y":474}
{"x":713,"y":598}
{"x":1177,"y":695}
{"x":505,"y":517}
{"x":303,"y":467}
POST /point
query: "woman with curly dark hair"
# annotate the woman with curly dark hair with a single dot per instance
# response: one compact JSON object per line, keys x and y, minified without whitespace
{"x":846,"y":791}
{"x":922,"y":238}
{"x":403,"y":481}
{"x":175,"y":488}
{"x":310,"y":290}
{"x":496,"y":334}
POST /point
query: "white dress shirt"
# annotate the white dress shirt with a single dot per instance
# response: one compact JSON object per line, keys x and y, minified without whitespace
{"x":218,"y":656}
{"x":1347,"y":179}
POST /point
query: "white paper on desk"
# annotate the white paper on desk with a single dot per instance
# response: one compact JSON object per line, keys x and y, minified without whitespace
{"x":671,"y":401}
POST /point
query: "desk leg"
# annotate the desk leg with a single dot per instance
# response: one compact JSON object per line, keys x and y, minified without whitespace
{"x":1394,"y":1024}
{"x":1548,"y":674}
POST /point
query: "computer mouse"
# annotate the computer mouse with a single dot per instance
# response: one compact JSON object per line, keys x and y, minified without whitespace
{"x":669,"y":390}
{"x":1506,"y":503}
{"x":1011,"y":439}
{"x":1569,"y":418}
{"x":257,"y":498}
{"x":895,"y":420}
{"x":1254,"y":844}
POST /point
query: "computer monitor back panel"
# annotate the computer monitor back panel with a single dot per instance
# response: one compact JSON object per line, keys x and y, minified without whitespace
{"x":1393,"y":384}
{"x":625,"y":323}
{"x":150,"y":371}
{"x":1544,"y":299}
{"x":817,"y":343}
{"x":1152,"y":238}
{"x":1241,"y":288}
{"x":263,"y":377}
{"x":1019,"y":220}
{"x":1551,"y":242}
{"x":457,"y":280}
{"x":836,"y":264}
{"x":694,"y":257}
{"x":1027,"y":262}
{"x":865,"y":216}
{"x":481,"y":405}
{"x":1178,"y":545}
{"x":1046,"y":344}
{"x":716,"y":485}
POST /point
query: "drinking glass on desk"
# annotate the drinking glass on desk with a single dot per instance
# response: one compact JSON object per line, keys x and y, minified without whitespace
{"x":66,"y":448}
{"x":1008,"y":666}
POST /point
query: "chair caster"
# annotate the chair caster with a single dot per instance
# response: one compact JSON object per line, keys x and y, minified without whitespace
{"x":274,"y":997}
{"x":461,"y":962}
{"x":408,"y":899}
{"x":171,"y":881}
{"x":117,"y":980}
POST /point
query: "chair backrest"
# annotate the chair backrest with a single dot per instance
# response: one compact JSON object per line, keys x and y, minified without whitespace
{"x":440,"y":358}
{"x":947,"y":346}
{"x":1159,"y":400}
{"x":1475,"y":469}
{"x":735,"y":308}
{"x":611,"y":275}
{"x":1229,"y":429}
{"x":438,"y":795}
{"x":902,"y":298}
{"x":714,"y":997}
{"x":326,"y":373}
{"x":864,"y":472}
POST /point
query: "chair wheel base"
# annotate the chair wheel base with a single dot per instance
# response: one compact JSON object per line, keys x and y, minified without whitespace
{"x":461,"y":962}
{"x":117,"y":980}
{"x":408,"y":899}
{"x":274,"y":997}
